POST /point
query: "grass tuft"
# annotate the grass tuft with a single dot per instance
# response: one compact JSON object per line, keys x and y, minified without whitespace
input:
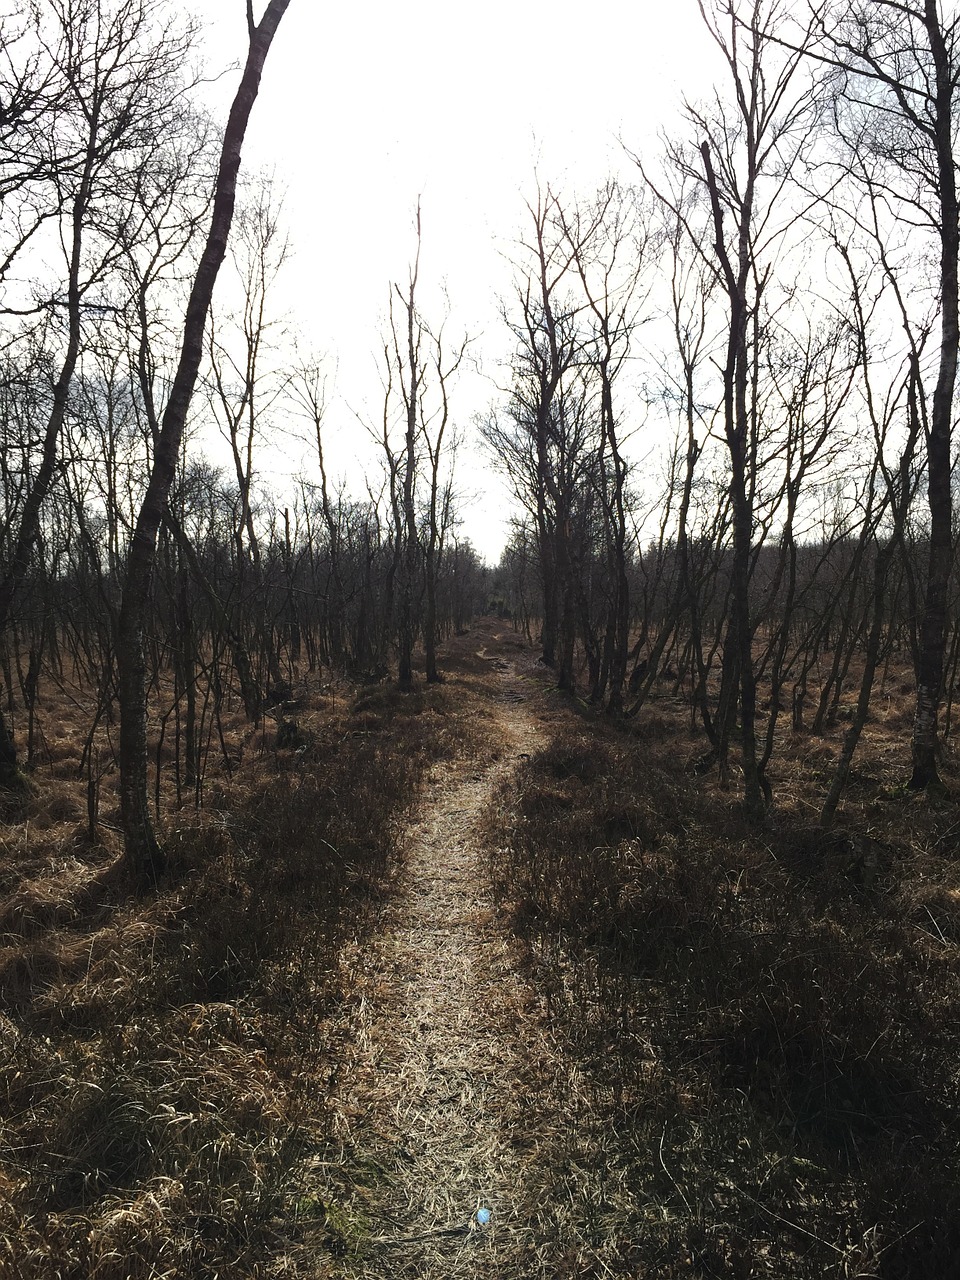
{"x":767,"y":1023}
{"x":167,"y":1059}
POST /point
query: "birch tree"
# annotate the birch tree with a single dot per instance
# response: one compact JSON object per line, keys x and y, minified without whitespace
{"x":143,"y":852}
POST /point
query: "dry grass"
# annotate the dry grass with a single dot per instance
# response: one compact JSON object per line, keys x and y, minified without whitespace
{"x":168,"y":1061}
{"x":761,"y":1026}
{"x":429,"y":1080}
{"x":735,"y":1055}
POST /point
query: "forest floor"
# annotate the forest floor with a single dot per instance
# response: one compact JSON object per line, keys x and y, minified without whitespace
{"x":452,"y":1090}
{"x":473,"y":982}
{"x":648,"y":1039}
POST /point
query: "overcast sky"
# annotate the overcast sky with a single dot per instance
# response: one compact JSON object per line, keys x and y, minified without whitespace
{"x":365,"y":107}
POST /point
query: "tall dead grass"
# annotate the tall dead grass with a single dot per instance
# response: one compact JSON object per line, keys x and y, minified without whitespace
{"x":166,"y":1061}
{"x":768,"y":1021}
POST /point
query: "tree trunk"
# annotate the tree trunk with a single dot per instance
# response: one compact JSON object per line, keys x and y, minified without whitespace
{"x":933,"y":623}
{"x":737,"y":429}
{"x":430,"y":616}
{"x":143,"y":853}
{"x":9,"y":775}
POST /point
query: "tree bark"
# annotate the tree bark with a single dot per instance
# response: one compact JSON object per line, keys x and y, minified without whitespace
{"x":740,"y":635}
{"x":933,"y":624}
{"x":143,"y":853}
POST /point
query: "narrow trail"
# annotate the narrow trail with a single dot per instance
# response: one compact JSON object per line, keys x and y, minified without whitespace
{"x":446,"y":1045}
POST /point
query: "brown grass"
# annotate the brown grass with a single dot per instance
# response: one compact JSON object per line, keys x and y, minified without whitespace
{"x":167,"y":1060}
{"x":766,"y":1020}
{"x":749,"y":1063}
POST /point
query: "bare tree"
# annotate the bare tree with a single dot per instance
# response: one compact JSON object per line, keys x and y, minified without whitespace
{"x":609,"y":245}
{"x":244,"y":390}
{"x":115,"y":70}
{"x":418,"y":376}
{"x":892,"y":70}
{"x":750,"y":146}
{"x":544,"y":437}
{"x":142,"y":848}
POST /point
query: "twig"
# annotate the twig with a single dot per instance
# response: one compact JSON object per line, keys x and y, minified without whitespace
{"x":424,"y":1235}
{"x":794,"y":1226}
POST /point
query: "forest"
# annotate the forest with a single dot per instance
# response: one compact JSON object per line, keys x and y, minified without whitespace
{"x":368,"y":909}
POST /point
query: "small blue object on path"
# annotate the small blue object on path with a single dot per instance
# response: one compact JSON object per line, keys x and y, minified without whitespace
{"x":483,"y":1217}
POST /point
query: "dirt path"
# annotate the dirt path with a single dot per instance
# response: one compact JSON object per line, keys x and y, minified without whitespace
{"x":445,"y":1047}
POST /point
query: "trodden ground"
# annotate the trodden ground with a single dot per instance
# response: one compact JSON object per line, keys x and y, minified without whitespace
{"x":450,"y":1091}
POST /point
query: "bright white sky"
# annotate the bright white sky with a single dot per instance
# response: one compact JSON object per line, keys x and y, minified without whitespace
{"x":365,"y":107}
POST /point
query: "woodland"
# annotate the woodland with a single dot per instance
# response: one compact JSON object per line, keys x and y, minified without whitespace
{"x":370,"y":910}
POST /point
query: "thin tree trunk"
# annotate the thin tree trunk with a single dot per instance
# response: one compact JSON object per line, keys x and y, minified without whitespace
{"x":142,"y":849}
{"x":871,"y":662}
{"x":30,"y":516}
{"x":740,"y":635}
{"x":933,"y":624}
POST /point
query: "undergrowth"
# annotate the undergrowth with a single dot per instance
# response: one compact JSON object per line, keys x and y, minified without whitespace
{"x":768,"y":1018}
{"x":167,"y":1060}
